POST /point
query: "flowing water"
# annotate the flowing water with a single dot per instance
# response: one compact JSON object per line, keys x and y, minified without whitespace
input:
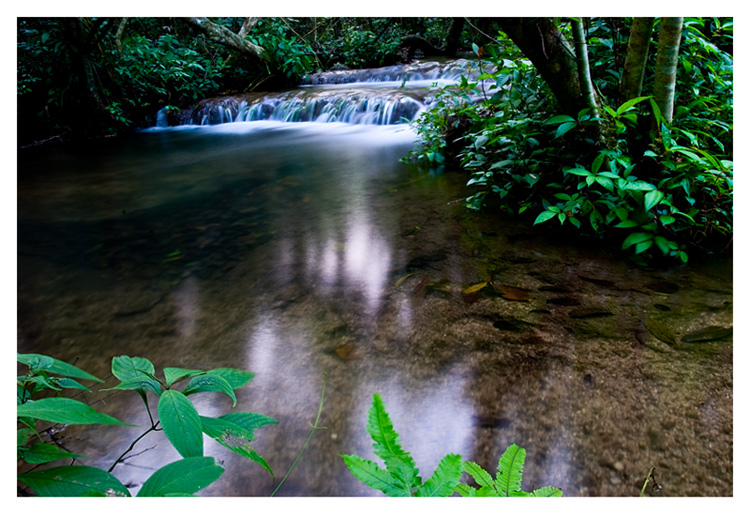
{"x":304,"y":251}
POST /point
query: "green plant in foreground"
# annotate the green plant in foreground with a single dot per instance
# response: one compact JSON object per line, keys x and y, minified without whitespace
{"x":177,"y":417}
{"x":401,"y":476}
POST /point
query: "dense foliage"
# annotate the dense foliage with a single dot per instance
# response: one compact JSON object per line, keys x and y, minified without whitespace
{"x":667,"y":188}
{"x":177,"y":417}
{"x":94,"y":76}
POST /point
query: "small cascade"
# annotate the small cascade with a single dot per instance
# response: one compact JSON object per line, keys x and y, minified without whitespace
{"x":377,"y":96}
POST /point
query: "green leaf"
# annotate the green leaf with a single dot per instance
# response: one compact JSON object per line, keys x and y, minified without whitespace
{"x":578,"y":171}
{"x":636,"y":238}
{"x":544,"y":216}
{"x":236,"y":377}
{"x":181,"y":423}
{"x":375,"y":477}
{"x":126,"y":368}
{"x":564,"y":128}
{"x":173,"y":374}
{"x":139,"y":383}
{"x":234,"y":437}
{"x":248,"y":420}
{"x":74,"y":481}
{"x":630,"y":104}
{"x":480,"y":475}
{"x":45,"y":453}
{"x":626,"y":224}
{"x":444,"y":479}
{"x":210,"y":383}
{"x":398,"y":462}
{"x":64,"y":411}
{"x":56,"y":366}
{"x":560,"y":119}
{"x":643,"y":246}
{"x":547,"y":492}
{"x":510,"y":471}
{"x":182,"y":478}
{"x":652,"y":198}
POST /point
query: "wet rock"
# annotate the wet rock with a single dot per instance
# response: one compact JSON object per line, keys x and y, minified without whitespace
{"x":590,"y":312}
{"x":710,"y":333}
{"x":663,"y":286}
{"x":661,"y":331}
{"x":568,"y":300}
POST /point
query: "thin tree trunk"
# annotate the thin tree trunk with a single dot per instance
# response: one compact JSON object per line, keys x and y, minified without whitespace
{"x":541,"y":41}
{"x":454,"y":35}
{"x":667,"y":54}
{"x":635,"y":58}
{"x":584,"y":72}
{"x":118,"y":35}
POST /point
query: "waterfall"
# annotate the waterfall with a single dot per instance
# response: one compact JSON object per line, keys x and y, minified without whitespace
{"x":378,"y":96}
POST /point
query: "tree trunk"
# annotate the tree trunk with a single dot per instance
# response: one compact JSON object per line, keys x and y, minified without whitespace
{"x":635,"y":58}
{"x":667,"y":54}
{"x":226,"y":37}
{"x":454,"y":36}
{"x":541,"y":41}
{"x":584,"y":72}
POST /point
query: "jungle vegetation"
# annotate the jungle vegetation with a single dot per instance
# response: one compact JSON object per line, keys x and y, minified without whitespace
{"x":608,"y":127}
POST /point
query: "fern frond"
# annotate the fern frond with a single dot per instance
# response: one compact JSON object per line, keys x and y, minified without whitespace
{"x":547,"y":492}
{"x":444,"y":479}
{"x":375,"y":477}
{"x":510,"y":471}
{"x":480,"y":475}
{"x":465,"y":490}
{"x":398,"y":462}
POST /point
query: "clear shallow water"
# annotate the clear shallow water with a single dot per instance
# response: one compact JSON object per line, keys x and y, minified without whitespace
{"x":268,"y":246}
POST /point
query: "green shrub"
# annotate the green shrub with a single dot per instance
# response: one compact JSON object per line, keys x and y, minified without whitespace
{"x":177,"y":417}
{"x":400,"y":478}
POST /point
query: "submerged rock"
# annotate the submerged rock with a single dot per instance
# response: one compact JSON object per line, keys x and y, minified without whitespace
{"x":710,"y":333}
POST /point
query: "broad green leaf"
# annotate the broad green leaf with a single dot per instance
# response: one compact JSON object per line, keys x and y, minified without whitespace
{"x":564,"y":128}
{"x":139,"y":383}
{"x":578,"y":171}
{"x":126,"y":368}
{"x":182,"y":478}
{"x":45,"y":453}
{"x":510,"y":471}
{"x":598,"y":161}
{"x":236,"y":377}
{"x":234,"y":437}
{"x":398,"y":462}
{"x":444,"y":479}
{"x":643,"y":246}
{"x":636,"y":238}
{"x":666,"y":220}
{"x":628,"y":223}
{"x":56,"y":366}
{"x":64,"y":411}
{"x":606,"y":182}
{"x":375,"y":477}
{"x":544,"y":216}
{"x":70,"y":383}
{"x":210,"y":383}
{"x":560,"y":119}
{"x":173,"y":374}
{"x":74,"y":481}
{"x":248,"y":420}
{"x":652,"y":198}
{"x":630,"y":104}
{"x":181,"y":423}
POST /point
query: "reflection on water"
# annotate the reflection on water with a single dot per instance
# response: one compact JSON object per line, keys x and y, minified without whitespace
{"x":298,"y":250}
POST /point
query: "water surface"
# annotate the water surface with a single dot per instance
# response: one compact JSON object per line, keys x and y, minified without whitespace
{"x":298,"y":250}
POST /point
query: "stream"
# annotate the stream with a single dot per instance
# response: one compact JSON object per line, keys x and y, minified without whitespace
{"x":282,"y":235}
